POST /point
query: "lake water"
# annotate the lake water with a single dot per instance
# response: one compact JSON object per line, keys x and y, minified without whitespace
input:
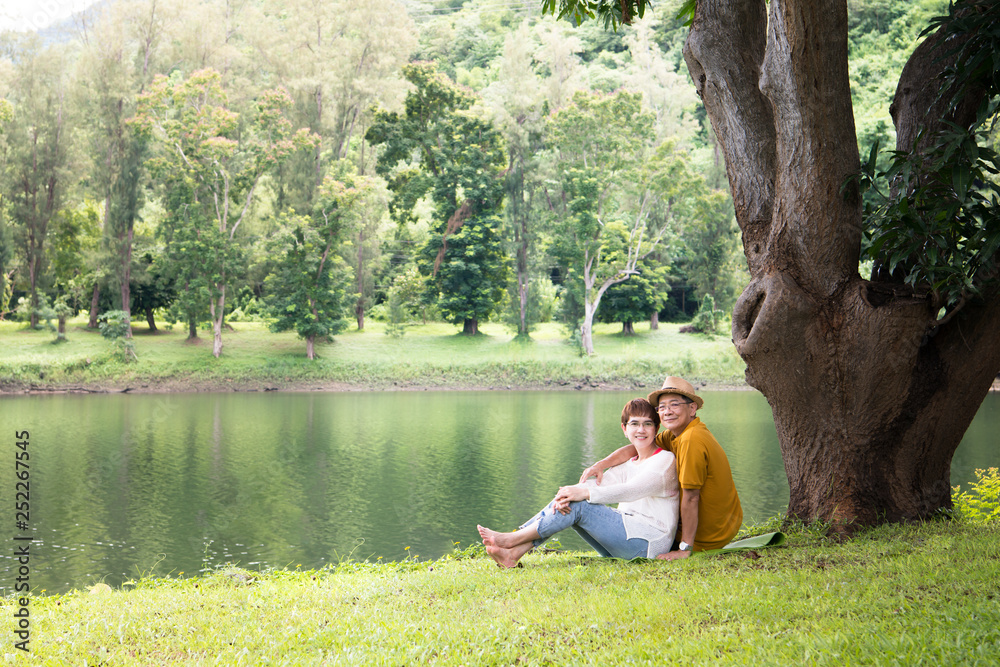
{"x":123,"y":485}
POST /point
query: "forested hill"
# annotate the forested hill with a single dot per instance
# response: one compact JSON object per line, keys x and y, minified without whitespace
{"x":315,"y":162}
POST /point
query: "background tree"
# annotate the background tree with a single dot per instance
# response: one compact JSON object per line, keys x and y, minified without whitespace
{"x":115,"y":65}
{"x":710,"y":247}
{"x":469,"y":282}
{"x":636,"y":298}
{"x":361,"y":203}
{"x":516,"y":100}
{"x":38,"y":154}
{"x":338,"y":60}
{"x":459,"y":158}
{"x":306,"y":291}
{"x":203,"y":142}
{"x":6,"y":237}
{"x":608,"y":218}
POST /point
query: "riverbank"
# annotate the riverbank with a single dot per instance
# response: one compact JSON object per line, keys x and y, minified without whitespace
{"x":896,"y":595}
{"x":433,"y":356}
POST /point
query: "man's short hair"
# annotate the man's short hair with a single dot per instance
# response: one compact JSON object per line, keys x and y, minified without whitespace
{"x":640,"y":407}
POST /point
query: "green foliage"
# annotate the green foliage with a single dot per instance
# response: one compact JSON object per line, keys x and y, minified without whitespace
{"x":456,"y":151}
{"x":115,"y":327}
{"x":459,"y":157}
{"x":306,"y":292}
{"x":470,"y":280}
{"x":612,"y":13}
{"x":981,"y":503}
{"x":936,"y":226}
{"x":708,"y":318}
{"x":637,"y":298}
{"x":403,"y":300}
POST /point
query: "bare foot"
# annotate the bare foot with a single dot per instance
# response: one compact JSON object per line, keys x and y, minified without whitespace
{"x":489,"y":536}
{"x":508,"y":558}
{"x":492,"y":538}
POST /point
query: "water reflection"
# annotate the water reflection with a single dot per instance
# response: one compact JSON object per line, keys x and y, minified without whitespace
{"x":124,"y":485}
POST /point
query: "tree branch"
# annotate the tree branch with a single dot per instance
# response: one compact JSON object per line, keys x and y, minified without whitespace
{"x":724,"y":52}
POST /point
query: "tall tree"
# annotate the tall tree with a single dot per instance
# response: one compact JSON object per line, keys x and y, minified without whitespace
{"x":516,"y":99}
{"x":38,"y":153}
{"x":361,"y":202}
{"x":872,"y":383}
{"x":6,"y":238}
{"x":339,"y":60}
{"x":608,"y":218}
{"x":115,"y":64}
{"x":306,"y":290}
{"x":636,"y":298}
{"x":459,"y":157}
{"x":215,"y":163}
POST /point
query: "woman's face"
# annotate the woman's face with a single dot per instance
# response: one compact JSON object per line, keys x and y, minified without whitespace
{"x":640,"y":431}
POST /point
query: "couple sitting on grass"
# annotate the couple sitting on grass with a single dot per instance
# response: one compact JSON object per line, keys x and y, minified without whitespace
{"x":675,"y":484}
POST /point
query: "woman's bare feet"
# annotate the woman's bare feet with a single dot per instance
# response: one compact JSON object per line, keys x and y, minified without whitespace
{"x":488,"y":536}
{"x":508,"y":558}
{"x":492,"y":538}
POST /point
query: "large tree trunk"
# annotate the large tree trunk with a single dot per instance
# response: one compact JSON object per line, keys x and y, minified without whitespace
{"x":870,"y":398}
{"x":470,"y":327}
{"x":150,"y":320}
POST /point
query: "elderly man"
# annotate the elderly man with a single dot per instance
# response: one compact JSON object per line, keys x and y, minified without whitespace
{"x":710,"y":507}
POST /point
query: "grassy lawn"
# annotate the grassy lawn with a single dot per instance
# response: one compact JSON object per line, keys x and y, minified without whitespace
{"x":902,"y":595}
{"x":431,"y":355}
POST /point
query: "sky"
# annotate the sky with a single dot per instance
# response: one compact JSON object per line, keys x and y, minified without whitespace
{"x":37,"y":14}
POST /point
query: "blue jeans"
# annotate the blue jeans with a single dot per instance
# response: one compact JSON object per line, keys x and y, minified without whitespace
{"x":599,"y":525}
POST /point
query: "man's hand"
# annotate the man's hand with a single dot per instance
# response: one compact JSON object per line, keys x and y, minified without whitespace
{"x":674,"y":555}
{"x":595,"y":470}
{"x":615,"y":458}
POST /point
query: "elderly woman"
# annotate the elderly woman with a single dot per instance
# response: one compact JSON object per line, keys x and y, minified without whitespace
{"x":645,"y":488}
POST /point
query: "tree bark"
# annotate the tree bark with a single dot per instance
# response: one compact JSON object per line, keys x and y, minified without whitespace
{"x":126,"y":259}
{"x":311,"y":347}
{"x":359,"y":306}
{"x":654,"y":321}
{"x":870,"y":397}
{"x":470,"y":327}
{"x":628,"y":329}
{"x":94,"y":303}
{"x":150,"y":320}
{"x":217,"y":308}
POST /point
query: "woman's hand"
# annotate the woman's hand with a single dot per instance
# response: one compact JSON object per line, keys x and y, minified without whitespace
{"x":569,"y":494}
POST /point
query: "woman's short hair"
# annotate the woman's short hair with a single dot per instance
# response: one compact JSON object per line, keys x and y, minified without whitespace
{"x":640,"y":407}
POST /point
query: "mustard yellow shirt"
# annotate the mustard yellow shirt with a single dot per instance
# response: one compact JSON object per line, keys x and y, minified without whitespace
{"x":702,"y":464}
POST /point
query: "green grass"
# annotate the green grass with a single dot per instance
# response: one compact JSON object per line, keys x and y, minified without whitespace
{"x":897,"y":595}
{"x":434,"y":355}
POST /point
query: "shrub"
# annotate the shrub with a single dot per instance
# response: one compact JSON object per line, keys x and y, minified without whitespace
{"x":114,"y":326}
{"x":981,"y":504}
{"x":707,"y":319}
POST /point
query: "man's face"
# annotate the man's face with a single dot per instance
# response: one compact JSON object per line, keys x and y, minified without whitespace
{"x":676,"y":412}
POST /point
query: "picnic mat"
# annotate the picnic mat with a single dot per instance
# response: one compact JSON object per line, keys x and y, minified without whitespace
{"x":757,"y":542}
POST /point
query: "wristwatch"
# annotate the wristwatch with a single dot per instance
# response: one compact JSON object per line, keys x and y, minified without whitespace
{"x":684,"y":546}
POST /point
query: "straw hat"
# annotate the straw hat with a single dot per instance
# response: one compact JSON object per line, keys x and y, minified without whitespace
{"x":678,"y":386}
